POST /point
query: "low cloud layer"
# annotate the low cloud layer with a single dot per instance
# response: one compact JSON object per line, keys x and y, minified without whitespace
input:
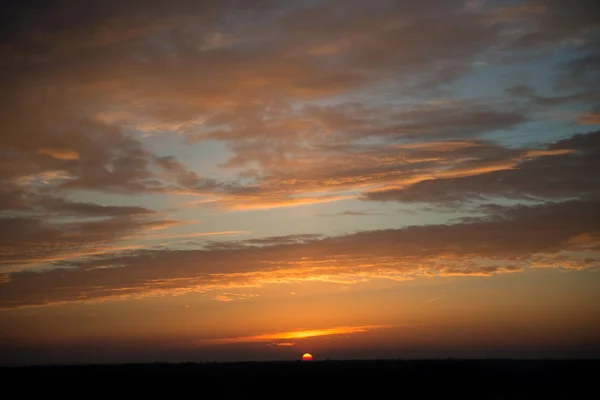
{"x":555,"y":234}
{"x":278,"y":337}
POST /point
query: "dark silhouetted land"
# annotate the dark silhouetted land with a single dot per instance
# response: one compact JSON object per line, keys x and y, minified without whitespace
{"x":431,"y":379}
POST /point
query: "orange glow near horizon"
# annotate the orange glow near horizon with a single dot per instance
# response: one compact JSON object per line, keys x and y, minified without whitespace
{"x":307,"y":357}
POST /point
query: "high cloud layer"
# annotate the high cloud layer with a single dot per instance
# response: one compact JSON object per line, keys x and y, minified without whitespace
{"x":80,"y":80}
{"x":565,"y":174}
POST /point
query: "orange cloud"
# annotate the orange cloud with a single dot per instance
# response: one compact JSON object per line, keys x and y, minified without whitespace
{"x":226,"y":297}
{"x":60,"y":154}
{"x":222,"y":298}
{"x":65,"y":242}
{"x":591,"y":118}
{"x":295,"y":335}
{"x":314,"y":178}
{"x":243,"y":203}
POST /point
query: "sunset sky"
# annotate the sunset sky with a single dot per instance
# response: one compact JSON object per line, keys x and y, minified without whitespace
{"x":221,"y":180}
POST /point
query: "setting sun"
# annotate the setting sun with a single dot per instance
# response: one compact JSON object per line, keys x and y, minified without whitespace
{"x":307,"y":357}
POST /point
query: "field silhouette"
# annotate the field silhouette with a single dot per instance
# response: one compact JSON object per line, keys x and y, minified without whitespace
{"x":402,"y":379}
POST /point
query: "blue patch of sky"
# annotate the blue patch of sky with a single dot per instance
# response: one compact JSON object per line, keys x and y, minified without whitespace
{"x":307,"y":219}
{"x":534,"y":133}
{"x":203,"y":157}
{"x":491,"y":79}
{"x":549,"y":124}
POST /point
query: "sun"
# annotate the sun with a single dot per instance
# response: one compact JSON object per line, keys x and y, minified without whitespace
{"x":307,"y":357}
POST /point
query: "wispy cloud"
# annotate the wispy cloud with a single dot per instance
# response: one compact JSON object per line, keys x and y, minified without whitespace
{"x":226,"y":297}
{"x":434,"y":299}
{"x":351,"y":213}
{"x":589,"y":118}
{"x":295,"y":335}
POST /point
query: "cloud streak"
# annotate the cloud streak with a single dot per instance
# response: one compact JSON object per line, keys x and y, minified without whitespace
{"x":294,"y":335}
{"x":435,"y":299}
{"x":568,"y":170}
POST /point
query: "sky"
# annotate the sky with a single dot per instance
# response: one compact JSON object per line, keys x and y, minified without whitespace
{"x":229,"y":180}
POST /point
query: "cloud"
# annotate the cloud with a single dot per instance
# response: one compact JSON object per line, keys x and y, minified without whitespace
{"x":351,"y":213}
{"x":26,"y":240}
{"x":489,"y":170}
{"x":288,"y":137}
{"x":288,"y":88}
{"x":297,"y":335}
{"x":437,"y":118}
{"x":507,"y":241}
{"x":528,"y":93}
{"x":100,"y":157}
{"x":589,"y":118}
{"x":276,"y":240}
{"x":153,"y":65}
{"x":570,"y":171}
{"x":23,"y":200}
{"x":203,"y":71}
{"x":558,"y":22}
{"x":377,"y":172}
{"x":61,"y":154}
{"x":222,"y":298}
{"x":226,"y":297}
{"x":579,"y":72}
{"x":263,"y":200}
{"x":435,"y":299}
{"x":133,"y":39}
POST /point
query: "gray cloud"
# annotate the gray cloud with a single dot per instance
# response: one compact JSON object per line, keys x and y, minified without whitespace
{"x":528,"y":92}
{"x":30,"y":240}
{"x":91,"y":75}
{"x":351,"y":213}
{"x":561,"y":176}
{"x":559,"y":21}
{"x":23,"y":200}
{"x":322,"y":144}
{"x":213,"y":73}
{"x":580,"y":73}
